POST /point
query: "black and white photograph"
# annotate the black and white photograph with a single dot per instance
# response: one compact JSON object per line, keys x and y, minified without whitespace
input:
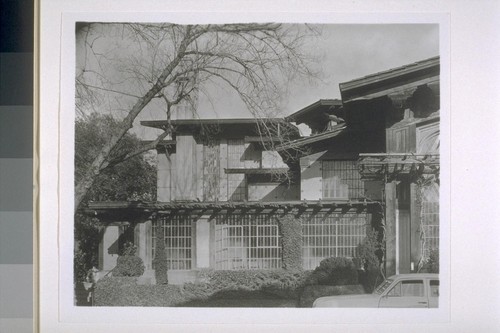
{"x":259,"y":166}
{"x":256,"y":165}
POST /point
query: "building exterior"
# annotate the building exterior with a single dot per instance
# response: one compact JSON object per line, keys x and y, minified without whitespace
{"x":409,"y":167}
{"x":225,"y":185}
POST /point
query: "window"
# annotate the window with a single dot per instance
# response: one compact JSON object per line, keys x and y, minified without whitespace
{"x":383,"y":286}
{"x":331,"y":235}
{"x":247,"y":242}
{"x":434,"y":288}
{"x":341,"y":180}
{"x":176,"y":231}
{"x":430,"y":219}
{"x":409,"y":288}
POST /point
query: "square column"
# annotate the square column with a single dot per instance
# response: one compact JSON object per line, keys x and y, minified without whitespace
{"x":143,"y":241}
{"x":203,"y":242}
{"x":108,"y":247}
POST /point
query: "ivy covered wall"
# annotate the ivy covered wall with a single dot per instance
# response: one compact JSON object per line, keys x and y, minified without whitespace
{"x":291,"y":240}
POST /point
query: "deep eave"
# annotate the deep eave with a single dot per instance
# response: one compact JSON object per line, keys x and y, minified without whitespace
{"x":160,"y":124}
{"x":304,"y":141}
{"x":379,"y":84}
{"x":229,"y":128}
{"x":314,"y":107}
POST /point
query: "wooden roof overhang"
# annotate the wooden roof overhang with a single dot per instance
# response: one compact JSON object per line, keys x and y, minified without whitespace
{"x":397,"y":83}
{"x":316,"y":115}
{"x":240,"y":126}
{"x":110,"y":212}
{"x":304,"y":141}
{"x":380,"y":166}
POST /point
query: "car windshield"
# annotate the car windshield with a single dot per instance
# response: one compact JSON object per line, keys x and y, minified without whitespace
{"x":383,"y":286}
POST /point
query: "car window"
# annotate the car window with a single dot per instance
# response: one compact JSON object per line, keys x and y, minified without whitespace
{"x":380,"y":289}
{"x":408,"y":288}
{"x":434,"y":288}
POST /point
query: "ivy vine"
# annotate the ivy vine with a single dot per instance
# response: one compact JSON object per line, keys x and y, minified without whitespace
{"x":291,"y":236}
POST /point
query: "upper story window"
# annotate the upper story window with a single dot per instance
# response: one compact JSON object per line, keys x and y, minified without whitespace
{"x":341,"y":180}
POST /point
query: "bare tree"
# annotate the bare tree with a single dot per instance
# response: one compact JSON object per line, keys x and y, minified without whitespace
{"x":124,"y":69}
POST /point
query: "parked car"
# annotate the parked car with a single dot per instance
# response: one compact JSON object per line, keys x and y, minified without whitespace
{"x":398,"y":291}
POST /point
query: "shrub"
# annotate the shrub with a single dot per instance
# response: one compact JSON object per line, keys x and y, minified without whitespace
{"x":431,"y":265}
{"x":367,"y":260}
{"x":334,"y":271}
{"x":86,"y":245}
{"x":291,"y":235}
{"x":279,"y":282}
{"x":129,"y":266}
{"x":160,"y":263}
{"x":124,"y":291}
{"x":129,"y":249}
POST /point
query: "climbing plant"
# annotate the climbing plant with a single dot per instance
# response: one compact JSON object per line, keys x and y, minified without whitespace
{"x":291,"y":237}
{"x":160,"y":263}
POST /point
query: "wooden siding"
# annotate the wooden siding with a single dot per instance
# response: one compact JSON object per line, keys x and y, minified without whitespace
{"x":271,"y":159}
{"x":164,"y":179}
{"x":185,"y":174}
{"x":401,"y":139}
{"x":253,"y":156}
{"x":270,"y":192}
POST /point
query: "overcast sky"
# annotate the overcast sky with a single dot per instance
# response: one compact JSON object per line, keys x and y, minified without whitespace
{"x":346,"y":52}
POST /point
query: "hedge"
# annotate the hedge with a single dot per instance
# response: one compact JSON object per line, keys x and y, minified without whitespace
{"x":280,"y":282}
{"x":335,"y":271}
{"x":124,"y":291}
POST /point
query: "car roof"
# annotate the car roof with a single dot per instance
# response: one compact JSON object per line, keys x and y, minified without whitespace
{"x":414,"y":275}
